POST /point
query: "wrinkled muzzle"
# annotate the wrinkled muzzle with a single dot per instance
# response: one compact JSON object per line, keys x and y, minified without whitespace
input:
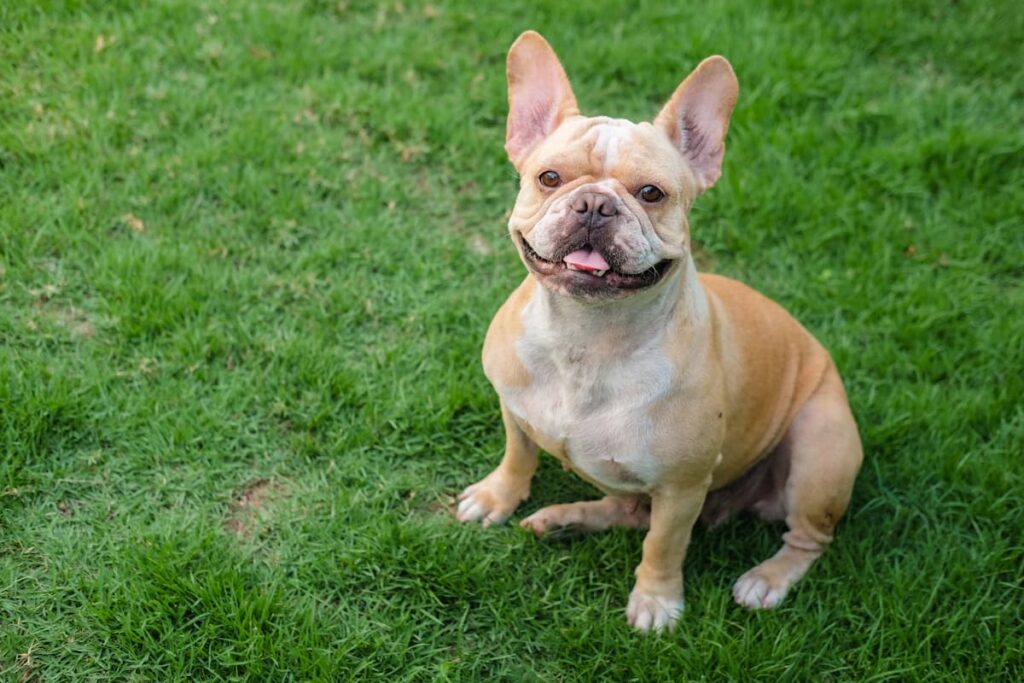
{"x":591,"y":242}
{"x":593,"y":229}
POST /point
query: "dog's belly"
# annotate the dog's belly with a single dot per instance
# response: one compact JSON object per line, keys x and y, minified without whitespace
{"x":602,"y":430}
{"x":611,"y":453}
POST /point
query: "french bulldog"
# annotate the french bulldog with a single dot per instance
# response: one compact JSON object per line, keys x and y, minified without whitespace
{"x":681,"y":396}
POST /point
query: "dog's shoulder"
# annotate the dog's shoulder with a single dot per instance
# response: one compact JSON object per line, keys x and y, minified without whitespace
{"x":749,"y":311}
{"x":773,"y":364}
{"x":762,"y":329}
{"x":502,"y":365}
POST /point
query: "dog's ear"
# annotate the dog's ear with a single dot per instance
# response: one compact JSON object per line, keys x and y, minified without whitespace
{"x":539,"y":95}
{"x":696,"y":117}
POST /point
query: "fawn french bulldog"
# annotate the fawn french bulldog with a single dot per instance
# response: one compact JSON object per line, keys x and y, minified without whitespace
{"x":679,"y":395}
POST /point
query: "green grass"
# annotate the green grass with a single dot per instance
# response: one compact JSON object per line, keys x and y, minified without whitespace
{"x":248,"y":253}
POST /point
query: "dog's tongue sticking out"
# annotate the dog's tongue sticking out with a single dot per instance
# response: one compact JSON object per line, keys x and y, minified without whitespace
{"x":588,"y":260}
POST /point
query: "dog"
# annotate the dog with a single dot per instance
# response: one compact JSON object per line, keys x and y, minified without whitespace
{"x":681,"y":396}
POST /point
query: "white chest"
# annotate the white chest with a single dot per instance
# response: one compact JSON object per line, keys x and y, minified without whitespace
{"x":594,"y":408}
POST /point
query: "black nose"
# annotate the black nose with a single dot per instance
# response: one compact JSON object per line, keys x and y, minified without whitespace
{"x":594,"y":209}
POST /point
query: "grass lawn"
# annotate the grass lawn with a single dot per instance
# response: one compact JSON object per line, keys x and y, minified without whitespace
{"x":248,"y":253}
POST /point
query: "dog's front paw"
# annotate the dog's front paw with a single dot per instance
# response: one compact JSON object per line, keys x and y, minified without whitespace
{"x":758,"y":590}
{"x":653,"y":612}
{"x":491,"y":500}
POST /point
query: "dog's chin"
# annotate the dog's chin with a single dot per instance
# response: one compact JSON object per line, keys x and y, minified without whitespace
{"x":612,"y":284}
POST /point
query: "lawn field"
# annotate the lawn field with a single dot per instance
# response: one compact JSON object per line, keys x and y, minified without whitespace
{"x":248,"y":254}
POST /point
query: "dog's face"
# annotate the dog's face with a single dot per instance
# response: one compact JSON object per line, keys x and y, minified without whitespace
{"x":602,"y":206}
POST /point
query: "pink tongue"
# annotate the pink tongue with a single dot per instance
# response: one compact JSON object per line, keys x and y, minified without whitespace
{"x":586,"y":259}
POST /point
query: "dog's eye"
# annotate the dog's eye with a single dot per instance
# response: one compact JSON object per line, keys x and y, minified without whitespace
{"x":549,"y":179}
{"x":650,"y":194}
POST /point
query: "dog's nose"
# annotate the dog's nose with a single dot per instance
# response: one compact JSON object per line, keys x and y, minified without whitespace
{"x":594,"y":209}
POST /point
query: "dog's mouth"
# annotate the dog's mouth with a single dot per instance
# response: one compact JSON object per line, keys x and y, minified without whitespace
{"x":585,"y":270}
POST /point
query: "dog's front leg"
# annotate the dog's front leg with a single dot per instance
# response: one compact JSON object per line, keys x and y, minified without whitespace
{"x":657,"y":598}
{"x":496,"y":496}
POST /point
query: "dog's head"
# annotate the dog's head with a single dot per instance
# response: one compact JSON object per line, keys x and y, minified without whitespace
{"x":603,"y":202}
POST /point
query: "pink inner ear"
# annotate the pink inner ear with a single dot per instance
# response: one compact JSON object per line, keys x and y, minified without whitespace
{"x":530,"y":121}
{"x":703,"y":136}
{"x":539,"y":95}
{"x":696,"y":117}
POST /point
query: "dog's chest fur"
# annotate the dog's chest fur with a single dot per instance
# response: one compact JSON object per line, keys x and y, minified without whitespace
{"x":589,"y":398}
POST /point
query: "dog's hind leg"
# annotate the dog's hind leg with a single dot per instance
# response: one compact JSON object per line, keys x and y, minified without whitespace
{"x":824,"y":453}
{"x":591,"y":515}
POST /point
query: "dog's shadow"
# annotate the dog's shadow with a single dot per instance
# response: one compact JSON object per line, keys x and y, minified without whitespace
{"x":735,"y":544}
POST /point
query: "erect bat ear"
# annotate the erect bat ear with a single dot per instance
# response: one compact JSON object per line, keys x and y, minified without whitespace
{"x":539,"y":95}
{"x":696,"y":117}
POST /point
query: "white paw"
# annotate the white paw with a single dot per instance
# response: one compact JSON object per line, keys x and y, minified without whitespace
{"x":486,"y":503}
{"x":755,"y":591}
{"x":541,"y":522}
{"x":653,"y":613}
